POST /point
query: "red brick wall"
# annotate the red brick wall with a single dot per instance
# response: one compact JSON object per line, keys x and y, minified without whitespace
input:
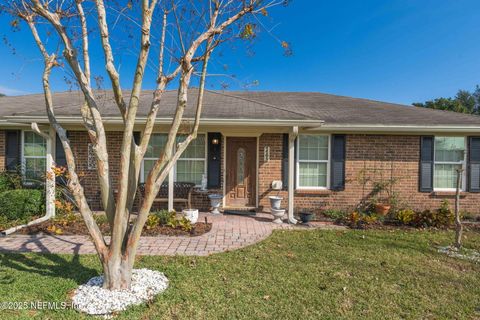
{"x":79,"y":141}
{"x":376,"y":157}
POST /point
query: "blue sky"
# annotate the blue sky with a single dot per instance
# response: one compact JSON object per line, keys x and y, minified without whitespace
{"x":400,"y":51}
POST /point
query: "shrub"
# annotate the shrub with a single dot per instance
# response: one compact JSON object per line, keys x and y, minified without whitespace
{"x":165,"y":217}
{"x":334,"y":214}
{"x":441,"y":218}
{"x":405,"y":216}
{"x":185,"y":224}
{"x":21,"y":204}
{"x":359,"y":220}
{"x":152,"y":221}
{"x":10,"y":181}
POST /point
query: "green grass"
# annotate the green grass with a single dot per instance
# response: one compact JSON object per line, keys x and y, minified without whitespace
{"x":291,"y":275}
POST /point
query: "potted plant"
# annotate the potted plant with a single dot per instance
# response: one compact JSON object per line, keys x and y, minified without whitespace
{"x":306,"y":216}
{"x":383,"y":204}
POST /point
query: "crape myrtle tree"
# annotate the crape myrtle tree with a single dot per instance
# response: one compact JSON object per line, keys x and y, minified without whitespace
{"x":183,"y":34}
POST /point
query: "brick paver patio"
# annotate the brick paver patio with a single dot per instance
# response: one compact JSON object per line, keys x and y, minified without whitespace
{"x":228,"y":232}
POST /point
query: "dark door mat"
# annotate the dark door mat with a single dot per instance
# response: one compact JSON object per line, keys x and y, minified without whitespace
{"x":240,"y":212}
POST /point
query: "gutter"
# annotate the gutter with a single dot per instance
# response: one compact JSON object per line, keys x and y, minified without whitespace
{"x":397,"y":128}
{"x":16,"y":120}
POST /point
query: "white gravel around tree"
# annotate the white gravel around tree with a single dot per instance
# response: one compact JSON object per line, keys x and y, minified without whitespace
{"x":92,"y":299}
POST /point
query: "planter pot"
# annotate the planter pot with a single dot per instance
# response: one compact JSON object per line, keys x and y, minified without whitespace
{"x":382,"y":209}
{"x":278,"y":214}
{"x":275,"y":202}
{"x":191,"y":214}
{"x":215,"y":202}
{"x":306,"y":217}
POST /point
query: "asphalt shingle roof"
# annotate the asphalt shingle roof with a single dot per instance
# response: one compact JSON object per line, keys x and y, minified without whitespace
{"x":247,"y":105}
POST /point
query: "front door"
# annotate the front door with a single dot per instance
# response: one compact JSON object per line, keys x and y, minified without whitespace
{"x":241,"y":172}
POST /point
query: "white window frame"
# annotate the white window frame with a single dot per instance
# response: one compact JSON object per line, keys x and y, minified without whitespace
{"x":463,"y":163}
{"x":142,"y":170}
{"x":297,"y":163}
{"x":23,"y":157}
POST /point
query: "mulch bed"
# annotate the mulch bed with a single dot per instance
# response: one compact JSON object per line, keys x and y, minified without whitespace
{"x":79,"y":228}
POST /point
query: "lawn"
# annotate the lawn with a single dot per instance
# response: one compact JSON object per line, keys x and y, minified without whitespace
{"x":291,"y":275}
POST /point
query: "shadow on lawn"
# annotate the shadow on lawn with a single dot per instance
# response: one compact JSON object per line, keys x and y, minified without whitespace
{"x":45,"y":264}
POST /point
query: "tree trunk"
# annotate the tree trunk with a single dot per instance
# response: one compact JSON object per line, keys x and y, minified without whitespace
{"x":458,"y":222}
{"x":117,"y":273}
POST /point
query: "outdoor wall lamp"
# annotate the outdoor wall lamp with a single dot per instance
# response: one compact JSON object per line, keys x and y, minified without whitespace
{"x":215,"y":141}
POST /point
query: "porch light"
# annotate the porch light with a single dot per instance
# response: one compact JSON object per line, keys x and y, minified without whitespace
{"x":215,"y":141}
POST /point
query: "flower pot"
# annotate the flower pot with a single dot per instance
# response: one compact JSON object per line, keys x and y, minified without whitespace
{"x":191,"y":214}
{"x":278,"y":214}
{"x":215,"y":202}
{"x":382,"y":209}
{"x":306,"y":217}
{"x":275,"y":202}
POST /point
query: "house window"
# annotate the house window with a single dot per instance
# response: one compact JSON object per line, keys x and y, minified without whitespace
{"x":191,"y":165}
{"x":34,"y":157}
{"x":449,"y":156}
{"x":313,"y":161}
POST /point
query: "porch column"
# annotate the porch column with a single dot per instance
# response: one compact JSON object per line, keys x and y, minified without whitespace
{"x":291,"y":173}
{"x":170,"y":190}
{"x":50,"y":139}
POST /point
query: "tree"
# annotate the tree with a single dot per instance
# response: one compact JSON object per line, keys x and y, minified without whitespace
{"x":464,"y":102}
{"x":458,"y":220}
{"x":197,"y":28}
{"x":2,"y":95}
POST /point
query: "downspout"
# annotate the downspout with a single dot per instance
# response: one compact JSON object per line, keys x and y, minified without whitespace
{"x":291,"y":174}
{"x":49,"y":183}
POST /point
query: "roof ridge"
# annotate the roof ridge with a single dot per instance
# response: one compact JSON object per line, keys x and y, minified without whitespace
{"x":259,"y":102}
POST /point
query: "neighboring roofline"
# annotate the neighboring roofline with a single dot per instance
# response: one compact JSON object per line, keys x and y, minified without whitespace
{"x":15,"y":120}
{"x":397,"y":128}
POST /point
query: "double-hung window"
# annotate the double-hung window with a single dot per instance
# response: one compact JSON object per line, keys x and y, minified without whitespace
{"x":34,"y":157}
{"x":313,"y":161}
{"x":191,"y":165}
{"x":449,"y":157}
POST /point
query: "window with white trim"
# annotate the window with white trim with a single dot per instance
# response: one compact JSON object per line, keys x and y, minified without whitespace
{"x":313,"y":161}
{"x":34,"y":157}
{"x":449,"y":156}
{"x":191,"y":165}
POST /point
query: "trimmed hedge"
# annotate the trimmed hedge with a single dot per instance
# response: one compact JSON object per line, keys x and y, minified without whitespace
{"x":21,"y":204}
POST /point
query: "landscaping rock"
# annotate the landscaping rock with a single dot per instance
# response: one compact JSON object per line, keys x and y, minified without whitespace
{"x":92,"y":299}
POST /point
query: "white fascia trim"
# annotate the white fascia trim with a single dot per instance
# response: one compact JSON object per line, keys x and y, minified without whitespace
{"x":397,"y":128}
{"x":205,"y":121}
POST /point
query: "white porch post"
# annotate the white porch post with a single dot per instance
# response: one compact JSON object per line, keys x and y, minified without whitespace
{"x":291,"y":174}
{"x":50,"y":176}
{"x":170,"y":190}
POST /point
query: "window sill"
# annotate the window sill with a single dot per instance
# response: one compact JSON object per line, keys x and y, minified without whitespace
{"x":313,"y":192}
{"x":463,"y":194}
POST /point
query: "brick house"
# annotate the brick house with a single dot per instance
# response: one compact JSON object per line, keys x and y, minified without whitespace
{"x":327,"y":150}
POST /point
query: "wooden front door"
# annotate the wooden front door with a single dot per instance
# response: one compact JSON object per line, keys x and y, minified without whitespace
{"x":241,"y":172}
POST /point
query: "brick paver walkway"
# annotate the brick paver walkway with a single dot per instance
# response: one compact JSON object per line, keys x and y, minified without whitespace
{"x":228,"y":233}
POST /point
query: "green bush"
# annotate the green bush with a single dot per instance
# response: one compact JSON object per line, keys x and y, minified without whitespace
{"x":165,"y":217}
{"x":21,"y":204}
{"x":10,"y":181}
{"x":334,"y":214}
{"x":441,"y":218}
{"x":405,"y":216}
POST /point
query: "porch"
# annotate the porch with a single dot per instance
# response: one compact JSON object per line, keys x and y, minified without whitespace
{"x":229,"y":232}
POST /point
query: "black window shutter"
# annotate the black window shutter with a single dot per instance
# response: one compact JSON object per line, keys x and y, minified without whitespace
{"x":285,"y":160}
{"x":12,"y":150}
{"x":337,"y":162}
{"x":136,"y":137}
{"x":473,"y":167}
{"x":60,"y":159}
{"x":214,"y":159}
{"x":426,"y":163}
